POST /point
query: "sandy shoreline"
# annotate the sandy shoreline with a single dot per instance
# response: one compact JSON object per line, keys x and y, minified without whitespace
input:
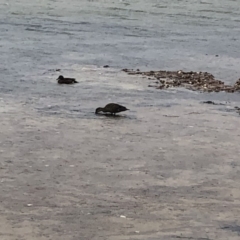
{"x":171,"y":170}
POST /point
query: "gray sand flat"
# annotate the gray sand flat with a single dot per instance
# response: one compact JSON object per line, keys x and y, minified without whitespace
{"x":157,"y":172}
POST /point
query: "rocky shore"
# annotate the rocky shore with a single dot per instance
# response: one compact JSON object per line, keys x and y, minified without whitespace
{"x":196,"y":81}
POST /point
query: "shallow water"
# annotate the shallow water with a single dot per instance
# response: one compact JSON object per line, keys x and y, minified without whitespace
{"x":80,"y":37}
{"x":44,"y":35}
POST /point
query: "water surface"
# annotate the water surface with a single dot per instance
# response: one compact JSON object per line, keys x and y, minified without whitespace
{"x":41,"y":36}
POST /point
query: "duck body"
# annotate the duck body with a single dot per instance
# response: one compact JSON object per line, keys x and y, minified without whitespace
{"x":63,"y":80}
{"x":111,"y":108}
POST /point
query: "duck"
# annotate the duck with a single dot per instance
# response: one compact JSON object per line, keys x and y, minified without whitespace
{"x":62,"y":80}
{"x":111,"y":108}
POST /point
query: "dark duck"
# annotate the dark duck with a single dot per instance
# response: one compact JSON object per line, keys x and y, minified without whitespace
{"x":111,"y":108}
{"x":62,"y":80}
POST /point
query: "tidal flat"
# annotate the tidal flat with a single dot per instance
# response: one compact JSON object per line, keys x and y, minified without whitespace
{"x":166,"y":169}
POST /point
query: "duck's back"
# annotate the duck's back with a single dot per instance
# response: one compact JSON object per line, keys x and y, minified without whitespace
{"x":67,"y":81}
{"x":114,"y":108}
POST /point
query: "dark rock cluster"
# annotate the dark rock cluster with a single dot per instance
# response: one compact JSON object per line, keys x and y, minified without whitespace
{"x":237,"y":109}
{"x":196,"y":81}
{"x":213,"y":103}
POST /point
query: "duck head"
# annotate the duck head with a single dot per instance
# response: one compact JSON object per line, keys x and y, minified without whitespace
{"x":60,"y":77}
{"x":99,"y":109}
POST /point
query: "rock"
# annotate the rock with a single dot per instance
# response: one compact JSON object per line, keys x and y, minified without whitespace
{"x":213,"y":103}
{"x":209,"y":102}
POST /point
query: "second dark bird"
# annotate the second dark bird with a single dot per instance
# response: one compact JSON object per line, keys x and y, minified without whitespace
{"x":63,"y":80}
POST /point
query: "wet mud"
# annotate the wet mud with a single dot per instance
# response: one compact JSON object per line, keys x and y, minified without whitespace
{"x":196,"y":81}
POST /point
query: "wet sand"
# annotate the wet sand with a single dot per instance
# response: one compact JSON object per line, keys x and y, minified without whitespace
{"x":167,"y":169}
